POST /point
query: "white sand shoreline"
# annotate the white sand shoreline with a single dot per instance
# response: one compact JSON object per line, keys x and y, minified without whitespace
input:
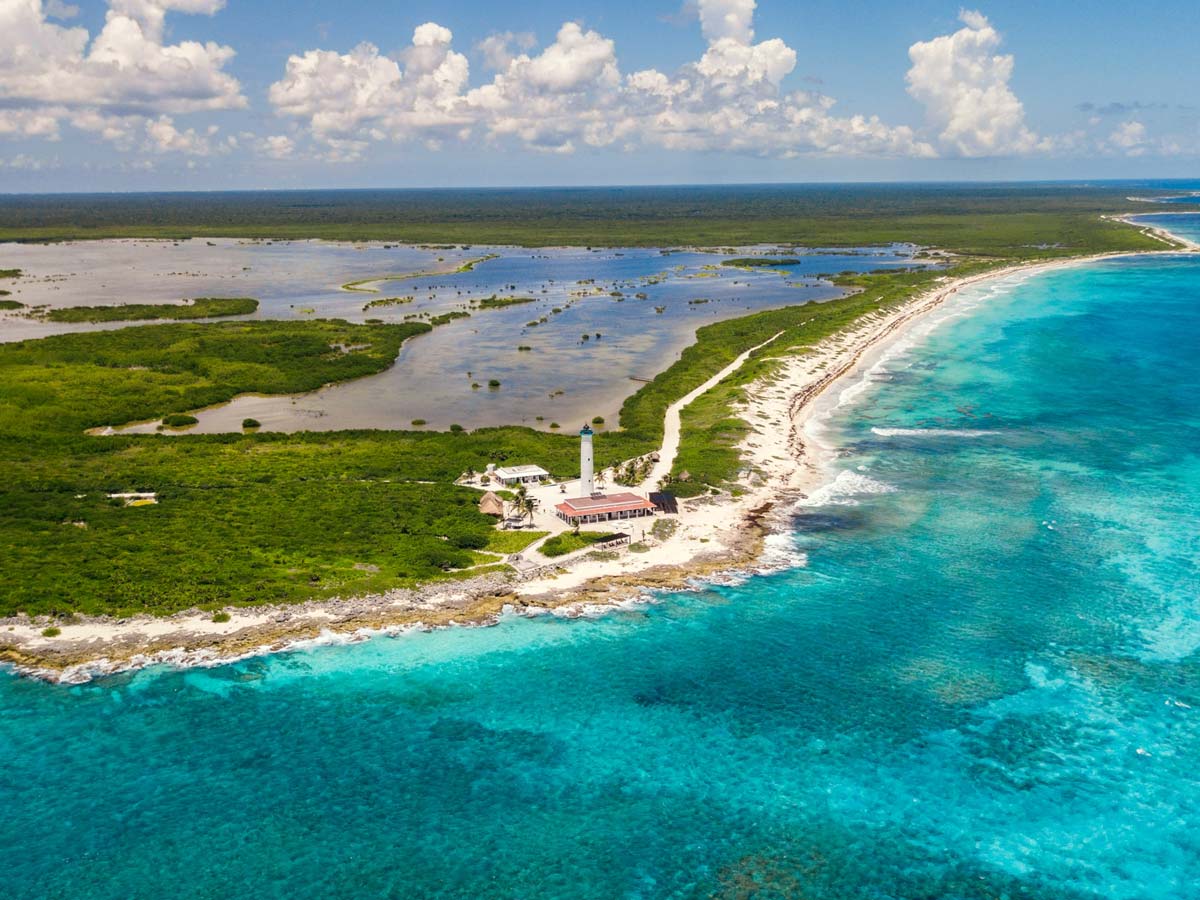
{"x":785,"y":462}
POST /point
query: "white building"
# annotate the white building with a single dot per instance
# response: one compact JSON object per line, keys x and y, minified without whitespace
{"x":587,"y":483}
{"x":512,"y":475}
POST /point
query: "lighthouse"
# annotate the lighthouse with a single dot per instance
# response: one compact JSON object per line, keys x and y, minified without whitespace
{"x":587,"y":485}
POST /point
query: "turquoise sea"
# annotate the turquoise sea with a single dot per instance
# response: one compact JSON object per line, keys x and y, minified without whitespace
{"x":980,"y":678}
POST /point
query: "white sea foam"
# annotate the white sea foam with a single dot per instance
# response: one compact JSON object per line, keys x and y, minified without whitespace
{"x":843,"y":490}
{"x":934,"y":432}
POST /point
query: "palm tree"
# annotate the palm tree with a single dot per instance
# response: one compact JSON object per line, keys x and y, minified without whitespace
{"x":529,"y":506}
{"x":524,"y":505}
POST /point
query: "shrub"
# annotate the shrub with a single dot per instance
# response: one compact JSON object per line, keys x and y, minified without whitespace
{"x":493,"y":383}
{"x":456,"y":428}
{"x":51,"y":632}
{"x":418,"y":422}
{"x":598,"y":420}
{"x":468,"y":540}
{"x":179,"y":420}
{"x":251,"y":423}
{"x":219,"y":617}
{"x":569,"y":541}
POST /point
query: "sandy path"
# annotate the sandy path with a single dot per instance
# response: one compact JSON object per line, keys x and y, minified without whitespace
{"x":672,"y":423}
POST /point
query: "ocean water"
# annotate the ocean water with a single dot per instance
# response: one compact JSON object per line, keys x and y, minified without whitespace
{"x":978,"y":678}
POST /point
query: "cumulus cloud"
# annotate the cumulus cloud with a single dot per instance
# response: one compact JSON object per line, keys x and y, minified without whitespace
{"x":728,"y":19}
{"x":51,"y":73}
{"x":963,"y":84}
{"x":499,"y":50}
{"x":573,"y":93}
{"x":277,"y":146}
{"x":166,"y":138}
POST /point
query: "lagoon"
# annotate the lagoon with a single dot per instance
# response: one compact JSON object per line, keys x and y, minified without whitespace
{"x":560,"y":378}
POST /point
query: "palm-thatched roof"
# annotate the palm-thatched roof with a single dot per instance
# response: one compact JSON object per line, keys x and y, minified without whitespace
{"x":491,"y":505}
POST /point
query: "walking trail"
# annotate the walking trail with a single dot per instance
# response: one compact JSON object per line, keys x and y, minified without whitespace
{"x":672,"y":422}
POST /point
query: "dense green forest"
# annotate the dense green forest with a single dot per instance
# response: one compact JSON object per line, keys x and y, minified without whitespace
{"x":977,"y":218}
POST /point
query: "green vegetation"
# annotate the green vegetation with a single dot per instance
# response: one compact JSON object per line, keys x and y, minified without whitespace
{"x":449,"y":317}
{"x":711,"y":431}
{"x":10,"y":304}
{"x":493,"y":382}
{"x":10,"y":273}
{"x":663,"y":528}
{"x":179,"y":420}
{"x":71,"y":382}
{"x":200,"y":308}
{"x":251,"y":423}
{"x":52,"y":631}
{"x":386,"y":301}
{"x":494,"y":302}
{"x":506,"y":542}
{"x":269,"y":517}
{"x":417,"y":423}
{"x":257,"y":517}
{"x":570,"y":541}
{"x":220,"y":617}
{"x":987,"y":219}
{"x":758,"y":262}
{"x":598,"y":420}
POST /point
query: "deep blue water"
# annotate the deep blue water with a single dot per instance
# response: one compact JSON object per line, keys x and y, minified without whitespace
{"x":983,"y":683}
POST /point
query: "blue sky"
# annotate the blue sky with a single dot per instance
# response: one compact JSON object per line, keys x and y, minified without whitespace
{"x":212,"y":94}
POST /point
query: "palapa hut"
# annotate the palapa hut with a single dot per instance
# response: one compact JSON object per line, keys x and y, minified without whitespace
{"x":491,"y":505}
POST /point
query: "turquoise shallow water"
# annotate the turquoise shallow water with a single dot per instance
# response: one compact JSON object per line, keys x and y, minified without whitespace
{"x":983,"y":683}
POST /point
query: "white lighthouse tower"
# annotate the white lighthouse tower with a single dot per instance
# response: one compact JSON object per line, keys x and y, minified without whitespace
{"x":587,"y":485}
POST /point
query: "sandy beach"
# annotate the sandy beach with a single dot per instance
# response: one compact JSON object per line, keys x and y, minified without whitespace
{"x":713,"y":536}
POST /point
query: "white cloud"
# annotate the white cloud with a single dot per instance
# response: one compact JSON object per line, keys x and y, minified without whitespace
{"x":732,"y":19}
{"x":963,"y":85}
{"x":574,"y":94}
{"x":277,"y":146}
{"x":166,"y":138}
{"x":26,"y":163}
{"x":499,"y":50}
{"x":1129,"y":138}
{"x":51,"y":72}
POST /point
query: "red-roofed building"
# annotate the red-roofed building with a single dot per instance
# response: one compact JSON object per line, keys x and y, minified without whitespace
{"x":604,"y":508}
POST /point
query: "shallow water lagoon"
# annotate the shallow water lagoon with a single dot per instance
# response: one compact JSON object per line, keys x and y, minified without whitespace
{"x":978,"y":679}
{"x":639,"y":308}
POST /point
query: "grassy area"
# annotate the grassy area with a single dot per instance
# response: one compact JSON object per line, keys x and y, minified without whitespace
{"x":199,"y":308}
{"x":10,"y":304}
{"x":569,"y":542}
{"x":512,"y":541}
